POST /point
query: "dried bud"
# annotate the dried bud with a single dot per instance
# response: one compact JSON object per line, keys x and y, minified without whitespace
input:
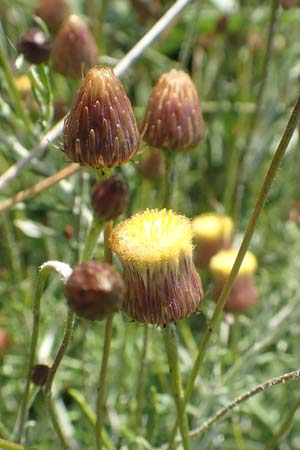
{"x":53,"y":12}
{"x":212,"y":233}
{"x":173,"y":118}
{"x":74,"y":49}
{"x":39,"y":374}
{"x":110,"y":197}
{"x":155,"y":249}
{"x":94,"y":290}
{"x":152,"y":166}
{"x":35,"y":46}
{"x":4,"y":341}
{"x":69,"y":232}
{"x":288,"y":4}
{"x":101,"y":130}
{"x":244,"y":292}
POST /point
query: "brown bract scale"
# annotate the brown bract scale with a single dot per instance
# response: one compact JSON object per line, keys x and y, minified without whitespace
{"x":101,"y":130}
{"x":53,"y":12}
{"x":173,"y":118}
{"x":94,"y":290}
{"x":110,"y":198}
{"x":74,"y":49}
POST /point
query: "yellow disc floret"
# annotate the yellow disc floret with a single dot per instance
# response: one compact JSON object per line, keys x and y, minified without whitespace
{"x":153,"y":237}
{"x":222,"y":263}
{"x":210,"y":226}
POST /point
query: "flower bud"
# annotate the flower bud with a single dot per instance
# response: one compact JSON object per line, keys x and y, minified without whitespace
{"x":152,"y":165}
{"x":101,"y":130}
{"x":4,"y":341}
{"x":39,"y":374}
{"x":53,"y":12}
{"x":288,"y":4}
{"x":155,"y":249}
{"x":94,"y":290}
{"x":212,"y":233}
{"x":23,"y":85}
{"x":74,"y":49}
{"x":35,"y":46}
{"x":244,"y":292}
{"x":110,"y":198}
{"x":173,"y":118}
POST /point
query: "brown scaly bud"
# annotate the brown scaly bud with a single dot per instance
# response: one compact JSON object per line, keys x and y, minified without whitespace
{"x":288,"y":4}
{"x":94,"y":290}
{"x":101,"y":130}
{"x":152,"y":165}
{"x":53,"y":12}
{"x":110,"y":198}
{"x":74,"y":49}
{"x":4,"y":341}
{"x":244,"y":293}
{"x":39,"y":374}
{"x":173,"y":117}
{"x":35,"y":46}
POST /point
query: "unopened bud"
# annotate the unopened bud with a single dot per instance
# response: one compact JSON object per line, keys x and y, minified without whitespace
{"x":244,"y":293}
{"x":4,"y":341}
{"x":35,"y":46}
{"x":94,"y":290}
{"x":110,"y":198}
{"x":53,"y":12}
{"x":74,"y":49}
{"x":101,"y":130}
{"x":173,"y":118}
{"x":288,"y":4}
{"x":152,"y":165}
{"x":39,"y":374}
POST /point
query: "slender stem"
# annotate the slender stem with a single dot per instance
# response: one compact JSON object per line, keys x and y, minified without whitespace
{"x":235,"y":337}
{"x":12,"y":90}
{"x":258,"y":107}
{"x":286,"y":423}
{"x":106,"y":349}
{"x":169,"y":180}
{"x":141,"y":379}
{"x":64,"y":271}
{"x":291,"y":376}
{"x":171,"y":344}
{"x":274,"y":166}
{"x":102,"y":382}
{"x":55,"y":421}
{"x":8,"y":445}
{"x":164,"y":22}
{"x":100,"y":34}
{"x":92,"y":238}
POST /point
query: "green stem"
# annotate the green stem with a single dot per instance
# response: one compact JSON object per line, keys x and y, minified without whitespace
{"x":274,"y":166}
{"x":63,"y":270}
{"x":169,"y":180}
{"x":141,"y":380}
{"x":235,"y":337}
{"x":91,"y":239}
{"x":171,"y":344}
{"x":100,"y":37}
{"x":8,"y":445}
{"x":106,"y":349}
{"x":55,"y":421}
{"x":102,"y":381}
{"x":12,"y":90}
{"x":286,"y":423}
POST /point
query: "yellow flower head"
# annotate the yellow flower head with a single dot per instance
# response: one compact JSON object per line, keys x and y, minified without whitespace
{"x":23,"y":84}
{"x":222,"y":263}
{"x":155,"y":249}
{"x":211,"y":226}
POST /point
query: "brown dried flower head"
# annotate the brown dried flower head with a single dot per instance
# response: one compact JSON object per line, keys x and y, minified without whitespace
{"x":94,"y":290}
{"x":173,"y":118}
{"x":101,"y":130}
{"x":39,"y":374}
{"x":53,"y":12}
{"x":74,"y":49}
{"x":35,"y":46}
{"x":110,"y":198}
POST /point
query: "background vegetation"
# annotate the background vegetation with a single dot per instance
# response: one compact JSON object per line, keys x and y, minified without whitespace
{"x":223,"y":45}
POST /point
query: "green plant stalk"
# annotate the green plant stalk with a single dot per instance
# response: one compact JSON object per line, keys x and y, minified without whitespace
{"x":169,"y":180}
{"x":55,"y":421}
{"x":92,"y":238}
{"x":141,"y":380}
{"x":8,"y":445}
{"x":12,"y":91}
{"x":274,"y":166}
{"x":282,"y":429}
{"x":282,"y":379}
{"x":106,"y":349}
{"x":258,"y":107}
{"x":171,"y":344}
{"x":235,"y":337}
{"x":100,"y":37}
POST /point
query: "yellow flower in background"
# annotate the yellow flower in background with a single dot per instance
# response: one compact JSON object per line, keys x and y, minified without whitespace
{"x":155,"y":249}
